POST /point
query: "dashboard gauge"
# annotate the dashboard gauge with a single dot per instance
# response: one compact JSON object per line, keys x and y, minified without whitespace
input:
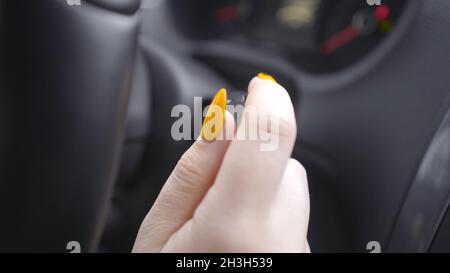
{"x":349,"y":29}
{"x":296,"y":14}
{"x":318,"y":36}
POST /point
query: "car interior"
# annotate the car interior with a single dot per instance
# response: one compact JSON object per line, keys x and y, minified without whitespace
{"x":87,"y":89}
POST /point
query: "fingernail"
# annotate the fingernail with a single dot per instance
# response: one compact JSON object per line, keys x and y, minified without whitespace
{"x":215,"y":117}
{"x":264,"y":76}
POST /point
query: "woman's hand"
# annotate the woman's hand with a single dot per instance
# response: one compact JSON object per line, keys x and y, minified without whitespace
{"x":229,"y":196}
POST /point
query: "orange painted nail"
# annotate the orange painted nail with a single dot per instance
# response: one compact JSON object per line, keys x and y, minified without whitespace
{"x":265,"y":76}
{"x":215,"y":117}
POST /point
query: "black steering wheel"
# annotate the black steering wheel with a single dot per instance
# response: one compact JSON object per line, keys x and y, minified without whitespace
{"x":63,"y":118}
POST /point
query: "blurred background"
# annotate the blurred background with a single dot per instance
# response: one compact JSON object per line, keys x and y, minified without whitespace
{"x":87,"y":89}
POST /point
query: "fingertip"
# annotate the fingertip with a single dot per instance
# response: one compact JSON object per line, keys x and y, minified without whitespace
{"x":270,"y":97}
{"x":258,"y":83}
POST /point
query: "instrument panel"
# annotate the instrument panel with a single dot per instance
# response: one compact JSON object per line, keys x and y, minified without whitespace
{"x":319,"y":36}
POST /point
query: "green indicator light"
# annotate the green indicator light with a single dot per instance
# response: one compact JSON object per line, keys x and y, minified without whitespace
{"x":385,"y":25}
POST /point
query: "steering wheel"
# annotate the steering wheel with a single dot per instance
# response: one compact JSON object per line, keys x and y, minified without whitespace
{"x":64,"y":99}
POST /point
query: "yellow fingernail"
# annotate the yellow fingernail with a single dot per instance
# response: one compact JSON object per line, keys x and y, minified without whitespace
{"x":215,"y":117}
{"x":265,"y":76}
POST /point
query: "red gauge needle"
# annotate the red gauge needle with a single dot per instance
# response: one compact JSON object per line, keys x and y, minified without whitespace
{"x":351,"y":32}
{"x":339,"y":39}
